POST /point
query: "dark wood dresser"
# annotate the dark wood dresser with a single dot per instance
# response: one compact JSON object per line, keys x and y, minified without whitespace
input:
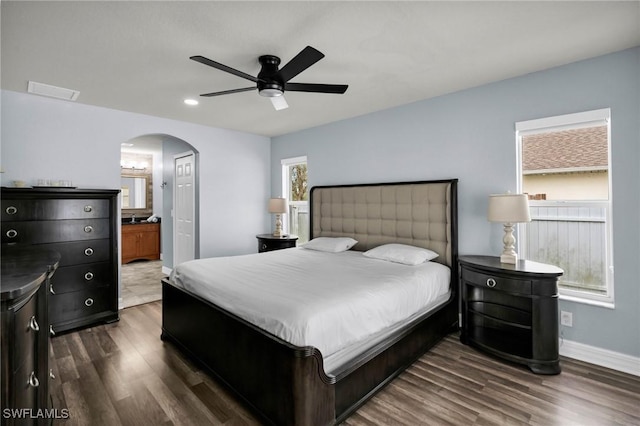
{"x":26,"y":274}
{"x":81,"y":225}
{"x":511,"y":311}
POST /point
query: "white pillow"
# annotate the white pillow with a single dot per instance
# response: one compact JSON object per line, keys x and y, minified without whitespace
{"x":401,"y":253}
{"x":330,"y":244}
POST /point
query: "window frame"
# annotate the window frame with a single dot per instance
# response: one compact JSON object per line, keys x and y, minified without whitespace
{"x":286,"y":163}
{"x":570,"y":122}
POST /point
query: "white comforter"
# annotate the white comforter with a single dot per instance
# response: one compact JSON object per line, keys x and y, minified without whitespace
{"x":312,"y":298}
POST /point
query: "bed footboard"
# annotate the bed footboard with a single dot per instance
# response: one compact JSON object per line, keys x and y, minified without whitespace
{"x":283,"y":384}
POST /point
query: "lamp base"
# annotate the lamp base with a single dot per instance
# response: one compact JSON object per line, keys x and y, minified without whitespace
{"x":509,"y":254}
{"x":509,"y":258}
{"x":278,"y":232}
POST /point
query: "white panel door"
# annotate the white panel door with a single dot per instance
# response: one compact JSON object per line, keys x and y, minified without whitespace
{"x":184,"y":209}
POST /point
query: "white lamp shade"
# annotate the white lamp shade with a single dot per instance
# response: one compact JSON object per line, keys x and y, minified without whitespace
{"x":509,"y":208}
{"x":278,"y":205}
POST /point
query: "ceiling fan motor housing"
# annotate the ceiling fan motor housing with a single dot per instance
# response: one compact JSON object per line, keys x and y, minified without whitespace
{"x":268,"y":85}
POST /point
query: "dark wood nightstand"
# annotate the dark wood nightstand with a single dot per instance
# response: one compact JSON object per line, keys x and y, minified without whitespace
{"x":511,"y":311}
{"x":267,"y":242}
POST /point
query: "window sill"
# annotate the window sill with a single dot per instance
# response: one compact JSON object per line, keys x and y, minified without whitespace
{"x":584,"y":301}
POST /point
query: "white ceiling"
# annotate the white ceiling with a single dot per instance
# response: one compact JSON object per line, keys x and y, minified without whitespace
{"x":134,"y":56}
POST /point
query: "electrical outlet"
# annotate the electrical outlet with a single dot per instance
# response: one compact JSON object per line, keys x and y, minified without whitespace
{"x":566,"y":318}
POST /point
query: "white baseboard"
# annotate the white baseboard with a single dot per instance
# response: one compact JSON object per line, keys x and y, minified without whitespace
{"x":602,"y":357}
{"x":166,"y":270}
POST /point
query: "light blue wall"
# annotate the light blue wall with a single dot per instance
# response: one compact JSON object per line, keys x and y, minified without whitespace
{"x":470,"y":135}
{"x":43,"y":137}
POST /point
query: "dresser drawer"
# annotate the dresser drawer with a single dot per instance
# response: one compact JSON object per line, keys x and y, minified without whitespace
{"x":26,"y":383}
{"x":80,"y":304}
{"x":275,"y":245}
{"x":504,"y":313}
{"x":509,"y":285}
{"x":52,"y":209}
{"x":26,"y":331}
{"x":268,"y":242}
{"x":79,"y":252}
{"x":81,"y":277}
{"x":42,"y":232}
{"x":488,"y":295}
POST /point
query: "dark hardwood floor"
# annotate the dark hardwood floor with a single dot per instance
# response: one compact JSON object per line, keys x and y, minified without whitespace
{"x":123,"y":374}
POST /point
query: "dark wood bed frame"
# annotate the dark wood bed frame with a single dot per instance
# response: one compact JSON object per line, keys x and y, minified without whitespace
{"x":285,"y":384}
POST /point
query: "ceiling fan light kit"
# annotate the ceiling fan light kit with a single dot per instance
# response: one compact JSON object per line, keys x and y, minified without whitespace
{"x":279,"y":103}
{"x":270,"y":92}
{"x":272,"y":82}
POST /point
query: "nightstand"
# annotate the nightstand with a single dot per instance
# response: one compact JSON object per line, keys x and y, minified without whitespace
{"x":267,"y":242}
{"x":511,"y":311}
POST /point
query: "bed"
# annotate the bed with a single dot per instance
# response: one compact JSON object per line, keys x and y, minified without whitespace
{"x":298,"y":384}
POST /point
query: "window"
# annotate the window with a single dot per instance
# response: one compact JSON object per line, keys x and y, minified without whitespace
{"x":296,"y":191}
{"x":564,"y":166}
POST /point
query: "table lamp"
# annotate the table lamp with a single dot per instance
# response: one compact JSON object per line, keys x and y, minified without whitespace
{"x":278,"y":206}
{"x":509,"y":209}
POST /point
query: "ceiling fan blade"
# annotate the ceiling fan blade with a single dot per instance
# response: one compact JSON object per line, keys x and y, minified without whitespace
{"x":279,"y":102}
{"x":303,"y":60}
{"x":317,"y":88}
{"x":217,"y":65}
{"x":228,"y":92}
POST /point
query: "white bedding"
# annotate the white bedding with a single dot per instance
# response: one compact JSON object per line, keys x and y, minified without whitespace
{"x":312,"y":298}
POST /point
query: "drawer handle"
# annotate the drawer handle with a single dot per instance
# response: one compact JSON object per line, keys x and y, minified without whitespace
{"x":264,"y":246}
{"x":88,"y":302}
{"x":491,"y":282}
{"x":33,"y":380}
{"x":88,"y":251}
{"x":88,"y":276}
{"x":88,"y":209}
{"x":33,"y":324}
{"x":88,"y":228}
{"x":51,"y":332}
{"x":12,"y":210}
{"x":12,"y":233}
{"x":51,"y":375}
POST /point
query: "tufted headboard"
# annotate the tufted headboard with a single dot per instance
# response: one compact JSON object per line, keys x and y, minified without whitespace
{"x":422,"y":214}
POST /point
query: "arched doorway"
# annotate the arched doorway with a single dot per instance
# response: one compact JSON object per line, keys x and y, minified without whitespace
{"x":140,"y":281}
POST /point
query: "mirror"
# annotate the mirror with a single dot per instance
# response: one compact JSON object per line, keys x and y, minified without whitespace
{"x":136,"y":195}
{"x":136,"y":190}
{"x":133,"y":192}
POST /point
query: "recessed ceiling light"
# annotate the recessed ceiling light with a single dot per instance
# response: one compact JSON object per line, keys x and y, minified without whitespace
{"x":191,"y":101}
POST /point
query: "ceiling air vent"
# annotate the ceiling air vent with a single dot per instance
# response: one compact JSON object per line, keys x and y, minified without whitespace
{"x":52,"y":91}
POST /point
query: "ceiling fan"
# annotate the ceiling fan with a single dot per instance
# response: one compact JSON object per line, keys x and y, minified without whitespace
{"x":272,"y":82}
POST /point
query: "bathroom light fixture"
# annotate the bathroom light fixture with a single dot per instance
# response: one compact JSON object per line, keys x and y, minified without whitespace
{"x":509,"y":209}
{"x":191,"y":102}
{"x":133,"y":166}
